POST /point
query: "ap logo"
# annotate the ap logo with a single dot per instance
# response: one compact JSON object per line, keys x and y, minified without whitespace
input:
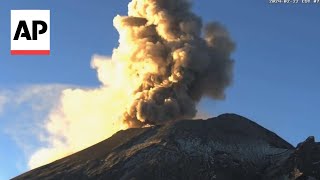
{"x":30,"y":32}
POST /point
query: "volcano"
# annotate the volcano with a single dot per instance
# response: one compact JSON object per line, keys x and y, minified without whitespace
{"x":226,"y":147}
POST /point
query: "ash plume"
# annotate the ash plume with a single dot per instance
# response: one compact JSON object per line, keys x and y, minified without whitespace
{"x":163,"y":48}
{"x":167,"y":60}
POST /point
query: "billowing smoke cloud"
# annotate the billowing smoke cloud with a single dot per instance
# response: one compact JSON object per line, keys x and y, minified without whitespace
{"x":165,"y":63}
{"x":162,"y":49}
{"x":84,"y":116}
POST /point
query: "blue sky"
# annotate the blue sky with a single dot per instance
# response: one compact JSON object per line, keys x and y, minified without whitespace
{"x":276,"y":72}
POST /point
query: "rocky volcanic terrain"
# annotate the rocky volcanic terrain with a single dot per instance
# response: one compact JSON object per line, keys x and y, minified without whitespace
{"x":228,"y":147}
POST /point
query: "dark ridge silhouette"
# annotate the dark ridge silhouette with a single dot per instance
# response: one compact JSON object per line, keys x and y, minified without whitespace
{"x":227,"y":147}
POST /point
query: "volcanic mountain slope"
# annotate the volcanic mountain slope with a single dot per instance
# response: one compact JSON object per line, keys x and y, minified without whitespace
{"x":227,"y":147}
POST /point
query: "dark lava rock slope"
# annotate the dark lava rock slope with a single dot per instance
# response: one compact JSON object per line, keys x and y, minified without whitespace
{"x":227,"y":147}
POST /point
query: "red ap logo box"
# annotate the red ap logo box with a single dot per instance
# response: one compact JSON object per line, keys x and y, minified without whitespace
{"x":30,"y":32}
